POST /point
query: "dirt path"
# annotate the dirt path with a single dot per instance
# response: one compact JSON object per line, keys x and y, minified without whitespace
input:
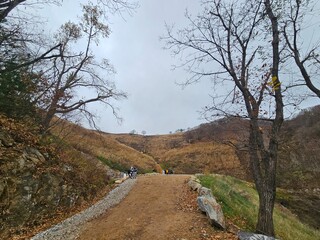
{"x":158,"y":207}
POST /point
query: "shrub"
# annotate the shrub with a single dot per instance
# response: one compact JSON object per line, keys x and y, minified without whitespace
{"x":113,"y":164}
{"x":17,"y":89}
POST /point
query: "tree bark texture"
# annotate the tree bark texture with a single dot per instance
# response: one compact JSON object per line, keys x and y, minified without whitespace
{"x":263,"y":163}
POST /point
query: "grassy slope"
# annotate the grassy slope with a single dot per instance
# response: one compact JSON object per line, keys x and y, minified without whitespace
{"x":105,"y":148}
{"x":239,"y":202}
{"x":174,"y":151}
{"x":204,"y":157}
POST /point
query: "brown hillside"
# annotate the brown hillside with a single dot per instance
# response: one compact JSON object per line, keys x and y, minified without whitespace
{"x":105,"y":148}
{"x":299,"y":145}
{"x":299,"y":162}
{"x":155,"y":146}
{"x":218,"y":147}
{"x":204,"y":157}
{"x":176,"y":152}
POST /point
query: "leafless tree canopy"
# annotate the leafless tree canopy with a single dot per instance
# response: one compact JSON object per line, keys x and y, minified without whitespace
{"x":226,"y":43}
{"x":74,"y":72}
{"x":115,"y":6}
{"x":66,"y":79}
{"x":307,"y":58}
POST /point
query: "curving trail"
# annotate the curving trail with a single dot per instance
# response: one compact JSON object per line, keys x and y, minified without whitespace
{"x":158,"y":207}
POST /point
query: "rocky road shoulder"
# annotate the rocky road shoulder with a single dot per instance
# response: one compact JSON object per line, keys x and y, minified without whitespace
{"x":70,"y":228}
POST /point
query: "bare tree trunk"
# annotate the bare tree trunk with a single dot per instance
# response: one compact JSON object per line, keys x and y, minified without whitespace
{"x":263,"y":164}
{"x":266,"y":205}
{"x":50,"y":113}
{"x":7,"y":6}
{"x":264,"y":159}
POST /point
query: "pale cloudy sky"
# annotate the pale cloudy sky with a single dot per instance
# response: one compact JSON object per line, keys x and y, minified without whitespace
{"x":155,"y":104}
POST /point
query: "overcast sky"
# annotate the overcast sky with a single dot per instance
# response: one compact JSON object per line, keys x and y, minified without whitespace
{"x":155,"y":104}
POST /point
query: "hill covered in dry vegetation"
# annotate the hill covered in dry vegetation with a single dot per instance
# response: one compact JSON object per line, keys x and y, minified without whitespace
{"x":43,"y":179}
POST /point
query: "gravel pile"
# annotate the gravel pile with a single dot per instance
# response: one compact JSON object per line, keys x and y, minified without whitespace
{"x":70,"y":228}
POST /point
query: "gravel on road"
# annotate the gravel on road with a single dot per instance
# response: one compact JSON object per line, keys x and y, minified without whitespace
{"x":69,"y":229}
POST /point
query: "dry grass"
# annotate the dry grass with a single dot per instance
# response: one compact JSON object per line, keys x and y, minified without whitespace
{"x":155,"y":146}
{"x":175,"y":152}
{"x":101,"y":145}
{"x":204,"y":157}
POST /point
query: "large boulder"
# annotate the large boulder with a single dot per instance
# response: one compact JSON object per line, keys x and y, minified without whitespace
{"x":208,"y":204}
{"x":203,"y":191}
{"x":195,"y":186}
{"x":253,"y":236}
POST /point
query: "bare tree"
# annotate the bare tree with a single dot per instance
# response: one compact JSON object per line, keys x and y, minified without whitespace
{"x":119,"y":6}
{"x":68,"y":71}
{"x":16,"y":32}
{"x":230,"y":42}
{"x":19,"y":43}
{"x":307,"y":62}
{"x":20,"y":47}
{"x":72,"y":72}
{"x":6,"y":6}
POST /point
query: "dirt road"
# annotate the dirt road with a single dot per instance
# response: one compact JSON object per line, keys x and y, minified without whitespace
{"x":158,"y":207}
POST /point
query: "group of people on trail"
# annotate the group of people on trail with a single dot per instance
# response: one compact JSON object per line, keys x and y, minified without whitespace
{"x":167,"y":171}
{"x":132,"y":172}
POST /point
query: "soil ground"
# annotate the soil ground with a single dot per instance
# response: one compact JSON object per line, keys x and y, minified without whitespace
{"x":158,"y":207}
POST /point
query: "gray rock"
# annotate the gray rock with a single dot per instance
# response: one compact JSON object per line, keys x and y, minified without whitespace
{"x":253,"y":236}
{"x":6,"y":140}
{"x":203,"y":191}
{"x":196,"y":179}
{"x":34,"y":155}
{"x":194,"y":185}
{"x":67,"y":168}
{"x":213,"y":210}
{"x":199,"y":175}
